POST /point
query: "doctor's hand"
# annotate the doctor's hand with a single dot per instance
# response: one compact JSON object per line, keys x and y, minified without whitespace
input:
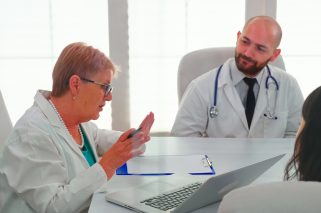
{"x":147,"y":123}
{"x":123,"y":150}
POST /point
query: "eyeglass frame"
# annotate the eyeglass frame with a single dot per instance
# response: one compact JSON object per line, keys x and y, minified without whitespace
{"x":108,"y":88}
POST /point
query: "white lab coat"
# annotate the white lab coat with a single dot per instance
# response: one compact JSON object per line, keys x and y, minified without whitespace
{"x":193,"y":118}
{"x":42,"y":168}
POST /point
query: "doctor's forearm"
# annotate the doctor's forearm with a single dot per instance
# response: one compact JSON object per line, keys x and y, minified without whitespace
{"x":76,"y":195}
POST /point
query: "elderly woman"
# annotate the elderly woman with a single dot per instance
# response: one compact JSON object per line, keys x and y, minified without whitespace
{"x":55,"y":159}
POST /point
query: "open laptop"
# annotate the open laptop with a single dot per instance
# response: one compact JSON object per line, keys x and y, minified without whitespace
{"x":156,"y":197}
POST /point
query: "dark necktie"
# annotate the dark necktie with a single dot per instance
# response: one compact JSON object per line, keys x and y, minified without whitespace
{"x":250,"y":100}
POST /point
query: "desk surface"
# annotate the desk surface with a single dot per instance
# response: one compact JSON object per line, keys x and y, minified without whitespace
{"x":226,"y":154}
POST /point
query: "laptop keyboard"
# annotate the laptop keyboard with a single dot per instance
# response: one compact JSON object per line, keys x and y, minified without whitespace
{"x":172,"y":199}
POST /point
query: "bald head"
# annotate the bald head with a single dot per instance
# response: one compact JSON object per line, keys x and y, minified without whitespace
{"x":269,"y":23}
{"x":257,"y":44}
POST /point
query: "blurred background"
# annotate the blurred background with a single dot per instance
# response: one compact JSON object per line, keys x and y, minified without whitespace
{"x":146,"y":39}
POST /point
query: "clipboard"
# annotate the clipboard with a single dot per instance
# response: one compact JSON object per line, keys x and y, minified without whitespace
{"x":167,"y":165}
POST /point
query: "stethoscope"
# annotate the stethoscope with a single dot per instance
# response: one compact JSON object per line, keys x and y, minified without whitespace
{"x":270,"y":114}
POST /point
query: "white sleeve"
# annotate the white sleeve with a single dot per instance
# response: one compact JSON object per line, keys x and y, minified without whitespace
{"x":191,"y":118}
{"x":295,"y":107}
{"x":103,"y":138}
{"x":37,"y":172}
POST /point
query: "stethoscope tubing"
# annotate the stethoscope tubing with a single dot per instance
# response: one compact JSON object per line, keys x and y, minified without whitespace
{"x":213,"y":110}
{"x":216,"y":84}
{"x":272,"y":77}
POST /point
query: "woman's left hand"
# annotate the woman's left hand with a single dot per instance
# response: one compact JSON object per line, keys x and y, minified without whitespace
{"x":147,"y":123}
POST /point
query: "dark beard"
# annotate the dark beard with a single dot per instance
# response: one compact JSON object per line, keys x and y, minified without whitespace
{"x":254,"y":69}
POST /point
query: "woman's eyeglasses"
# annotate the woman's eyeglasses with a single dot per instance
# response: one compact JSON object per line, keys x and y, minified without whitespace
{"x":106,"y":87}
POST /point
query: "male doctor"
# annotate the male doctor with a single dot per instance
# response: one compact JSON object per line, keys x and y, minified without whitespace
{"x":253,"y":99}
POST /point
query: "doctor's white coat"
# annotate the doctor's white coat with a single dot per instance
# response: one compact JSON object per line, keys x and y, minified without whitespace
{"x":193,"y":117}
{"x":43,"y":170}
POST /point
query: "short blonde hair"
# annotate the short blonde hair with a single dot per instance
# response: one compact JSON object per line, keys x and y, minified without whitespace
{"x":78,"y":59}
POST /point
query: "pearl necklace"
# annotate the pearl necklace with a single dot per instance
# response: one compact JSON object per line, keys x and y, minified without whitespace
{"x":63,"y":123}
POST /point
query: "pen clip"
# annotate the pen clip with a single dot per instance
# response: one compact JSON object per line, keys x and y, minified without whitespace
{"x":209,"y":163}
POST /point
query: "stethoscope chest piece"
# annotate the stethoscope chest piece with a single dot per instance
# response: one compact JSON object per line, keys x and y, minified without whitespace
{"x":213,"y":112}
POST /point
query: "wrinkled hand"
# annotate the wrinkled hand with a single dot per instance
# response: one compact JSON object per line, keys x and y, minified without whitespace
{"x":147,"y":123}
{"x":144,"y":130}
{"x":126,"y":148}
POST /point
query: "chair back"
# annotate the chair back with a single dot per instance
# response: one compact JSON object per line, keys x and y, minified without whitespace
{"x":5,"y":123}
{"x":276,"y":197}
{"x":200,"y":61}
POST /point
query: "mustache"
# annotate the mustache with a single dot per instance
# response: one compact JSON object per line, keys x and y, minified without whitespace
{"x":247,"y":58}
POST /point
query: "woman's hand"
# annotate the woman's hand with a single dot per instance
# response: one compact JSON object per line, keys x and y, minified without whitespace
{"x":147,"y":123}
{"x":126,"y":148}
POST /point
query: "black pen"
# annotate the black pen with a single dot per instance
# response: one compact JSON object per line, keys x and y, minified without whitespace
{"x":134,"y":132}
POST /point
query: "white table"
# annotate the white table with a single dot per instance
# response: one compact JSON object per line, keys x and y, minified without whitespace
{"x":226,"y":154}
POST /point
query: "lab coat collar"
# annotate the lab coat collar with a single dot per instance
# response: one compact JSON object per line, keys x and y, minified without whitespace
{"x":41,"y":98}
{"x":225,"y":77}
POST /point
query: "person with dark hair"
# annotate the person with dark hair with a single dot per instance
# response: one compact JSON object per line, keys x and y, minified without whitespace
{"x":304,"y":169}
{"x":305,"y":163}
{"x":55,"y":158}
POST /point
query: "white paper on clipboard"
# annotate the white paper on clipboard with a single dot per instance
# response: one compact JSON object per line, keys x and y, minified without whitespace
{"x":160,"y":164}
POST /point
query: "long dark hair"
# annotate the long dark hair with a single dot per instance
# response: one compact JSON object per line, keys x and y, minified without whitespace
{"x":305,"y":163}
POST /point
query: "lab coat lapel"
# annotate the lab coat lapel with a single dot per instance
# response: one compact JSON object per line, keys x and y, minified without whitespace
{"x":91,"y":141}
{"x":56,"y":124}
{"x":62,"y":132}
{"x":231,"y":94}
